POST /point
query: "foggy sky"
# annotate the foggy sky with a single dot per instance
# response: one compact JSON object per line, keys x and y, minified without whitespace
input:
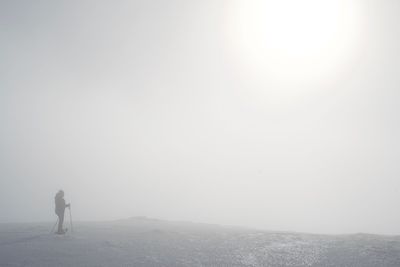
{"x":139,"y":108}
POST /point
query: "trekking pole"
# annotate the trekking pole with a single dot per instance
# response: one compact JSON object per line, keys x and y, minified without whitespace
{"x":54,"y":226}
{"x":70,"y":220}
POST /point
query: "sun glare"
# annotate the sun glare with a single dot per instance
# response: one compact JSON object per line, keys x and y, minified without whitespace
{"x":292,"y":41}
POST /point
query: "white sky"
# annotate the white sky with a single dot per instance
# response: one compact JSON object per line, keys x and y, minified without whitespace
{"x":147,"y":108}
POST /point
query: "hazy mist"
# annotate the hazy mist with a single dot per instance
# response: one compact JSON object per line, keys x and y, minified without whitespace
{"x":145,"y":108}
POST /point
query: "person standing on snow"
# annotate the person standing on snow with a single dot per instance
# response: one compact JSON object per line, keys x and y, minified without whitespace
{"x":60,"y":209}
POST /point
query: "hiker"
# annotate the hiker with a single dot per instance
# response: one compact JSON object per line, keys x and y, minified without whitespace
{"x":60,"y":209}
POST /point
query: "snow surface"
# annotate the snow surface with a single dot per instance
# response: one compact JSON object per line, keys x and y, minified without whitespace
{"x":149,"y":242}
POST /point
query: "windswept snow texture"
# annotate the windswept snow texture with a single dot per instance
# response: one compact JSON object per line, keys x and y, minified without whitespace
{"x":147,"y":242}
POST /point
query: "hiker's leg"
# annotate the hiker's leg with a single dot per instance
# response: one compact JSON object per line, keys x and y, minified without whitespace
{"x":60,"y":222}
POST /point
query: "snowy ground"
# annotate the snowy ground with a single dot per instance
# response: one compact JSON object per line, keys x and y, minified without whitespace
{"x":147,"y":242}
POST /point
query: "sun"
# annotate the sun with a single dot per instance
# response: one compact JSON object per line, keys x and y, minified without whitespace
{"x":293,"y":41}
